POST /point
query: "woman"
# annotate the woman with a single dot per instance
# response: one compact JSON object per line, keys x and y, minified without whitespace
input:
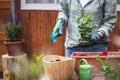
{"x":104,"y":15}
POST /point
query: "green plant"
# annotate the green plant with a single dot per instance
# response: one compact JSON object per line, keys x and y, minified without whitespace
{"x":13,"y":30}
{"x":109,"y":70}
{"x":34,"y":67}
{"x":86,"y":25}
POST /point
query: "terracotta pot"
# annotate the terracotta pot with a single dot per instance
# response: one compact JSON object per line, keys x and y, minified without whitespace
{"x":114,"y":57}
{"x":14,"y":48}
{"x":58,"y":67}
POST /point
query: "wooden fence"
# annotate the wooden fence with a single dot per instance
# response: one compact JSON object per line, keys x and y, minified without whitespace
{"x":38,"y":26}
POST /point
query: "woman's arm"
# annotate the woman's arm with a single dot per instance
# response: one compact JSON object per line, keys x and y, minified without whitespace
{"x":110,"y":17}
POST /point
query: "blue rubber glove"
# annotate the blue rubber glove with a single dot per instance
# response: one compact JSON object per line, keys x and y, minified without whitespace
{"x":58,"y":30}
{"x":53,"y":37}
{"x":95,"y":37}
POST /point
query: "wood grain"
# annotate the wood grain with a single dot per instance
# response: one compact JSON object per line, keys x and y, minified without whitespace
{"x":13,"y":69}
{"x":58,"y":70}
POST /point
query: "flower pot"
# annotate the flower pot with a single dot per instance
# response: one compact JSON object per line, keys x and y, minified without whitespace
{"x":114,"y":57}
{"x":14,"y":48}
{"x":58,"y":67}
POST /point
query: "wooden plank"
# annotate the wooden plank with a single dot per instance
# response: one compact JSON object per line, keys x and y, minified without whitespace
{"x":26,"y":18}
{"x":13,"y":67}
{"x":17,"y":4}
{"x":6,"y":15}
{"x":39,"y":32}
{"x":2,"y":36}
{"x":38,"y":26}
{"x":4,"y":11}
{"x":4,"y":4}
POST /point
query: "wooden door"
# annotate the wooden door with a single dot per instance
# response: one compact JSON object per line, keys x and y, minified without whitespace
{"x":4,"y":13}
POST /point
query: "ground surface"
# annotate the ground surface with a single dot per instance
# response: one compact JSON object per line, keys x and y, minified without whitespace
{"x":95,"y":77}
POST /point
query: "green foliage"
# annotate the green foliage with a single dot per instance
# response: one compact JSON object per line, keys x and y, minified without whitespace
{"x":13,"y":31}
{"x":86,"y":25}
{"x":34,"y":67}
{"x":109,"y":69}
{"x":98,"y":58}
{"x":34,"y":70}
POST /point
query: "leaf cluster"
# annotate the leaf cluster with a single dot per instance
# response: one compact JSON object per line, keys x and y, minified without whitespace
{"x":110,"y":70}
{"x":13,"y":31}
{"x":34,"y":67}
{"x":86,"y":25}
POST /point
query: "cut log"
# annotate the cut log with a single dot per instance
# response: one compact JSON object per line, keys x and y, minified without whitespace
{"x":13,"y":67}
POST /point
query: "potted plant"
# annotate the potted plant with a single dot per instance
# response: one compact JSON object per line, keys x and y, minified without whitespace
{"x":85,"y":28}
{"x":114,"y":57}
{"x":109,"y":70}
{"x":13,"y":32}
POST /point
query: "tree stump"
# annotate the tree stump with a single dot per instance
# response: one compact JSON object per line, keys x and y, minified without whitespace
{"x":14,"y":67}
